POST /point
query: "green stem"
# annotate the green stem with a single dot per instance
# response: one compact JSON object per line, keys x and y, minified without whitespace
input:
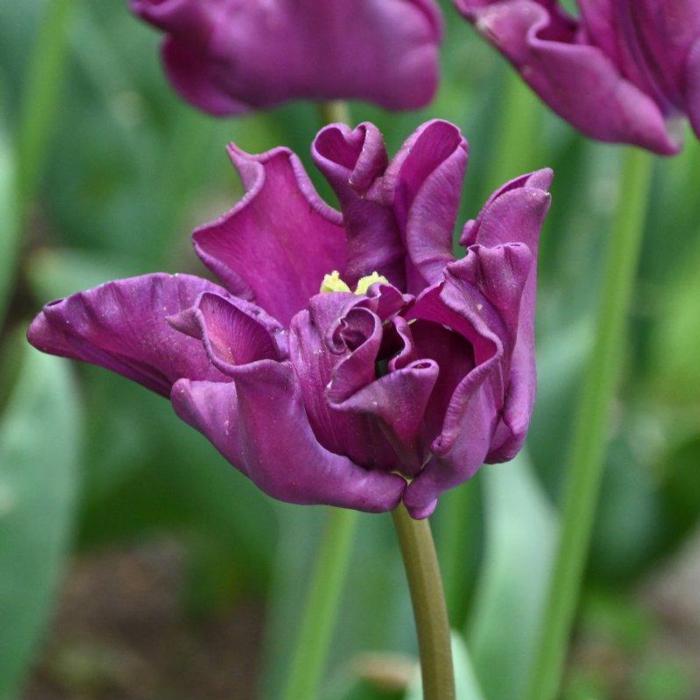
{"x":332,"y":112}
{"x":40,"y":98}
{"x":517,"y":133}
{"x":429,"y":608}
{"x":592,"y":428}
{"x":321,"y":608}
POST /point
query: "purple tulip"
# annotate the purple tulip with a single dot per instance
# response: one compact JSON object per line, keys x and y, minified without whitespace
{"x":399,"y":389}
{"x":622,"y":72}
{"x":232,"y":56}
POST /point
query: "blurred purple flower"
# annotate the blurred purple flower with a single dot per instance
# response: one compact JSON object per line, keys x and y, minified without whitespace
{"x":319,"y":394}
{"x":231,"y":56}
{"x":621,"y":73}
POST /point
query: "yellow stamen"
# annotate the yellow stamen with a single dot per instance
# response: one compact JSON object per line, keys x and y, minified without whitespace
{"x":364,"y":283}
{"x":333,"y":283}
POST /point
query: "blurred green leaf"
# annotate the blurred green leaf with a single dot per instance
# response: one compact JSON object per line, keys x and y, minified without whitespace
{"x":614,"y":620}
{"x":459,"y":537}
{"x":175,"y":479}
{"x":465,"y":680}
{"x":59,"y":272}
{"x":676,"y":335}
{"x":680,"y":493}
{"x":628,"y":523}
{"x":520,"y":540}
{"x":560,"y":359}
{"x":39,"y":446}
{"x":668,"y":678}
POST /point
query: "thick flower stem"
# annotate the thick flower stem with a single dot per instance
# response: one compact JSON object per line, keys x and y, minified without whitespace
{"x":429,"y":609}
{"x":592,"y":428}
{"x":333,"y":112}
{"x":321,"y":606}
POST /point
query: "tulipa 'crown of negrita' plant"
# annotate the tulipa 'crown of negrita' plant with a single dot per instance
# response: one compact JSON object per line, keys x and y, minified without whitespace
{"x":349,"y":358}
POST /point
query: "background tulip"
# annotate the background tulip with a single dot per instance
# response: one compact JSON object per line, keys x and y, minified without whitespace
{"x":623,"y":71}
{"x":229,"y":57}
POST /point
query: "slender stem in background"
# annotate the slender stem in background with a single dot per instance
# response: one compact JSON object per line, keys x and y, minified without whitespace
{"x":516,"y":152}
{"x":325,"y":590}
{"x":517,"y":140}
{"x":592,"y":428}
{"x":429,"y":608}
{"x":41,"y":93}
{"x":321,"y":608}
{"x":333,"y":112}
{"x":21,"y":166}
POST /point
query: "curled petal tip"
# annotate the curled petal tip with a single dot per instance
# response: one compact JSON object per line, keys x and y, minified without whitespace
{"x":36,"y":333}
{"x":541,"y":179}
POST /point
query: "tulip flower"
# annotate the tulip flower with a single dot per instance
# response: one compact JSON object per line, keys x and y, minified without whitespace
{"x":624,"y":71}
{"x":231,"y":56}
{"x":348,"y":359}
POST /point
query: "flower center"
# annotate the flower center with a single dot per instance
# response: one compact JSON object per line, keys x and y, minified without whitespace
{"x":333,"y":283}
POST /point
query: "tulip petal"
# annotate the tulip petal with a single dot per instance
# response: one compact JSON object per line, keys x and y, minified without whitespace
{"x":320,"y":358}
{"x":396,"y":403}
{"x":693,"y":87}
{"x":502,"y":274}
{"x":234,"y":332}
{"x":572,"y":77}
{"x":461,"y":459}
{"x":258,"y":423}
{"x":122,"y":326}
{"x":263,"y":53}
{"x":480,"y":299}
{"x":472,"y":411}
{"x":197,"y":79}
{"x":424,"y":181}
{"x":515,"y":213}
{"x":275,"y":246}
{"x":354,"y":161}
{"x":197,"y":20}
{"x":453,"y":356}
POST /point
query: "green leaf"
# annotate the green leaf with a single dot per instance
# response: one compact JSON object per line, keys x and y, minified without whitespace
{"x":678,"y":327}
{"x":39,"y":444}
{"x":520,"y":539}
{"x":59,"y":272}
{"x":466,"y":683}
